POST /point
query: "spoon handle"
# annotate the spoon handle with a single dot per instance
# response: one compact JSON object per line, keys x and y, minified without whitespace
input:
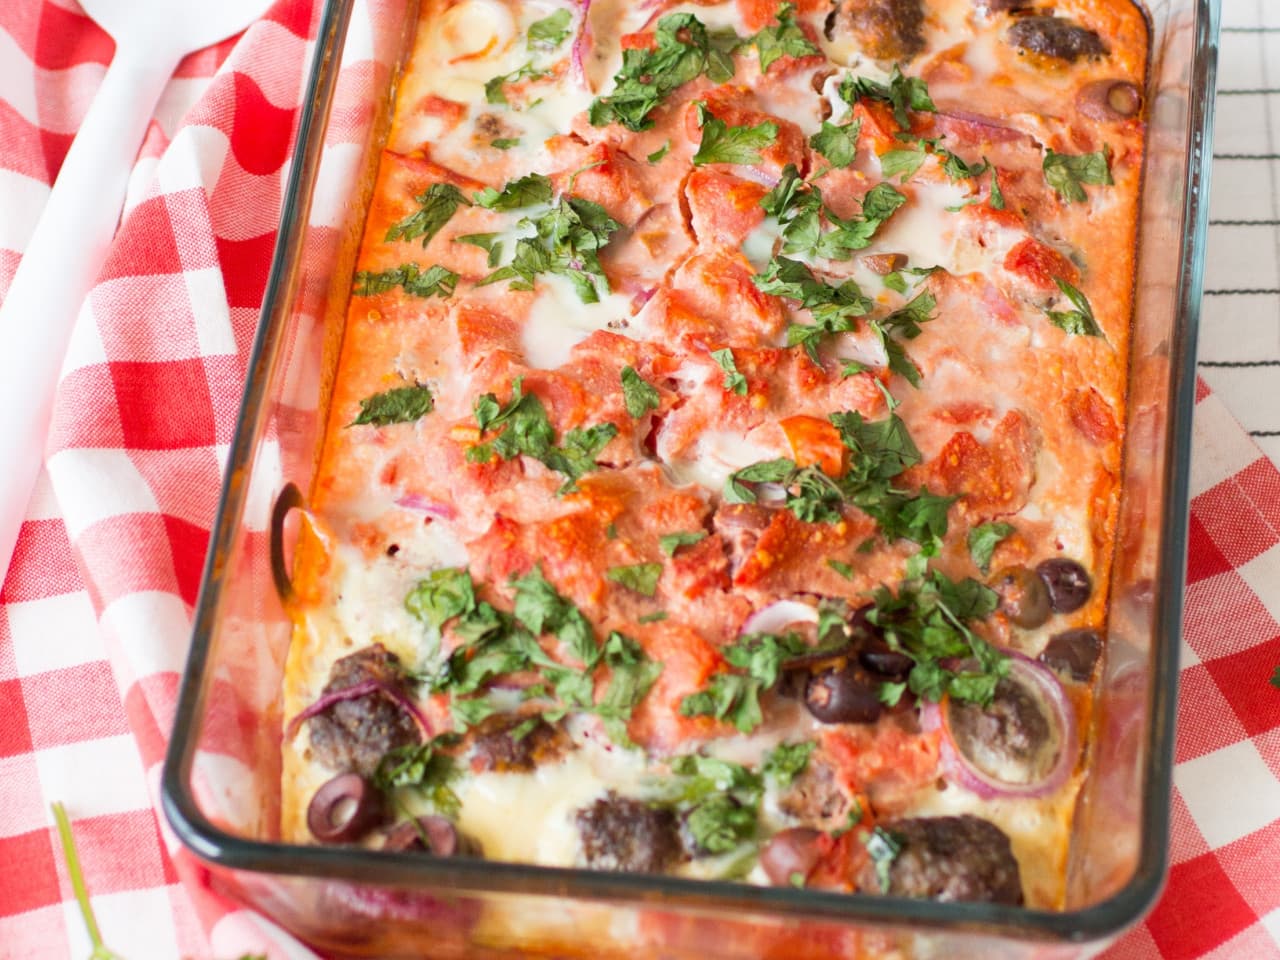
{"x":58,"y":268}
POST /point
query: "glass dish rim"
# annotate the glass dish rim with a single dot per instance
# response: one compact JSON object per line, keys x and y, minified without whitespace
{"x":1107,"y":917}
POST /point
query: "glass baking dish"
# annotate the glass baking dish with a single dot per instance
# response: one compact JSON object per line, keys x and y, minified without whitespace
{"x":221,"y":778}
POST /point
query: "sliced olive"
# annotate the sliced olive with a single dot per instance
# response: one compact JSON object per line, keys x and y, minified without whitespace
{"x":880,"y":658}
{"x":1068,"y":584}
{"x":789,"y":854}
{"x":1074,"y":652}
{"x":847,"y":695}
{"x":344,"y":809}
{"x":1109,"y":100}
{"x":431,"y":834}
{"x":1024,"y":598}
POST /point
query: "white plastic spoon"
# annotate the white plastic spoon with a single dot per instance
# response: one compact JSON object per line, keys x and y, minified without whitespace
{"x":71,"y":239}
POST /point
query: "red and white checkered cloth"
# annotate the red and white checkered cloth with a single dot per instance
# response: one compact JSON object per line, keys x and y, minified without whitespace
{"x":95,"y":614}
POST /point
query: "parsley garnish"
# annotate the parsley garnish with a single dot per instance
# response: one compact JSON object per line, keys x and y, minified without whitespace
{"x":633,"y":674}
{"x":983,"y":540}
{"x":661,"y":152}
{"x":787,"y":761}
{"x":640,"y":577}
{"x":655,"y":617}
{"x":997,"y":195}
{"x":957,"y":168}
{"x":488,"y":242}
{"x":902,"y":93}
{"x":423,"y":767}
{"x":733,"y":380}
{"x":683,"y":51}
{"x":1066,"y":172}
{"x":436,"y":281}
{"x":799,"y":208}
{"x":493,"y":89}
{"x":838,"y":143}
{"x":883,"y":846}
{"x":550,"y":31}
{"x":1078,"y":322}
{"x":639,"y":396}
{"x":904,"y":160}
{"x":722,"y":143}
{"x":443,"y":595}
{"x":834,"y":309}
{"x":439,"y":202}
{"x":505,"y":143}
{"x":840,"y":567}
{"x":896,"y":282}
{"x":541,"y":608}
{"x":736,"y":696}
{"x":528,"y":431}
{"x":724,"y":799}
{"x":784,"y":40}
{"x":927,"y":620}
{"x":397,"y":405}
{"x":672,"y":542}
{"x":522,"y":192}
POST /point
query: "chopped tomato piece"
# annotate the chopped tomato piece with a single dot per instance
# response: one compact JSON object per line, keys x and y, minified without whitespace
{"x":1040,"y":264}
{"x":815,"y":441}
{"x":1092,"y":416}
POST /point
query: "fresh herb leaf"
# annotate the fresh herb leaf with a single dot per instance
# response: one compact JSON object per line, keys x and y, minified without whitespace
{"x":683,"y":50}
{"x":436,"y":281}
{"x":722,"y":143}
{"x":488,"y":242}
{"x":983,"y":540}
{"x":438,"y":203}
{"x":787,"y":761}
{"x":661,"y":152}
{"x":470,"y":712}
{"x":442,"y":595}
{"x":997,"y":195}
{"x":767,"y":471}
{"x":901,"y":93}
{"x":633,"y":674}
{"x":1066,"y":172}
{"x":784,"y":40}
{"x":494,"y":91}
{"x":905,"y":161}
{"x":883,"y":846}
{"x":639,"y":396}
{"x":504,"y":143}
{"x":672,"y":542}
{"x":896,"y":282}
{"x":733,"y":380}
{"x":957,"y":168}
{"x":1077,"y":322}
{"x":834,"y":309}
{"x":840,"y":567}
{"x":524,"y":191}
{"x":655,"y":617}
{"x":550,"y":31}
{"x":906,"y":320}
{"x":851,"y":368}
{"x":423,"y":767}
{"x":720,"y":824}
{"x":640,"y":577}
{"x":397,"y":405}
{"x":727,"y":696}
{"x":542,"y":609}
{"x":838,"y":143}
{"x":880,"y":449}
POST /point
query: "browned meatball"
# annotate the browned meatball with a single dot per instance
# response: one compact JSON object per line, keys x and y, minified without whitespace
{"x":619,"y":833}
{"x":884,"y":29}
{"x":1055,"y":37}
{"x":948,"y":859}
{"x":355,"y":734}
{"x":503,"y":746}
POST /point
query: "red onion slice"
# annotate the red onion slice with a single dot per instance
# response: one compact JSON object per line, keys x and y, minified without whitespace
{"x":963,"y":772}
{"x":353,"y":692}
{"x":415,"y":501}
{"x":581,"y":40}
{"x":781,"y":613}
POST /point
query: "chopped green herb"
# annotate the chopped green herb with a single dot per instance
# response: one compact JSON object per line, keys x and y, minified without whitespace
{"x":633,"y":674}
{"x":784,"y":40}
{"x":1078,"y":322}
{"x":494,"y":91}
{"x":722,"y":143}
{"x":733,"y":380}
{"x":1066,"y":172}
{"x":421,"y":766}
{"x":542,"y":609}
{"x":655,"y":617}
{"x":640,"y":577}
{"x":851,"y":368}
{"x":838,"y":143}
{"x":902,"y":93}
{"x":905,"y":161}
{"x":883,"y":846}
{"x":895,"y":282}
{"x":840,"y":567}
{"x":435,"y":281}
{"x":661,"y":152}
{"x":505,"y":143}
{"x":672,"y":542}
{"x":397,"y":405}
{"x":683,"y":50}
{"x":799,"y":208}
{"x":983,"y":540}
{"x":488,"y":242}
{"x":550,"y":31}
{"x":639,"y":396}
{"x":997,"y":195}
{"x":834,"y":309}
{"x":720,"y":824}
{"x":524,"y":191}
{"x":438,"y":203}
{"x":442,"y":595}
{"x":727,"y":696}
{"x":956,"y":168}
{"x":787,"y":761}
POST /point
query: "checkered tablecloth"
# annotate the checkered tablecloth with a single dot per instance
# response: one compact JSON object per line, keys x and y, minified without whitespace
{"x":95,"y":614}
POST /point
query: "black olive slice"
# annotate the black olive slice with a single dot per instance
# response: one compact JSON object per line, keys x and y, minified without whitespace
{"x":344,"y":809}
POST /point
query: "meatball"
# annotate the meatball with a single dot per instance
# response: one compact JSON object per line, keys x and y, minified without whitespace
{"x":884,"y":29}
{"x":355,"y":734}
{"x":503,"y":746}
{"x":948,"y":859}
{"x":1055,"y":37}
{"x":619,"y":833}
{"x":1012,"y":739}
{"x":816,"y":799}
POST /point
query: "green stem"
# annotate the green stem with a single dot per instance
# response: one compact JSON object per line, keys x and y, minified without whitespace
{"x":100,"y":950}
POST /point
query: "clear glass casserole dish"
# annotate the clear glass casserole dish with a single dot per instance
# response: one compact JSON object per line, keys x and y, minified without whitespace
{"x":221,"y":781}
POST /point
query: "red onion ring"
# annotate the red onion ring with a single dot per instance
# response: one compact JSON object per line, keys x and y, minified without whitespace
{"x":966,"y":774}
{"x":780,"y":613}
{"x":415,"y":501}
{"x":353,"y":692}
{"x":580,"y":41}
